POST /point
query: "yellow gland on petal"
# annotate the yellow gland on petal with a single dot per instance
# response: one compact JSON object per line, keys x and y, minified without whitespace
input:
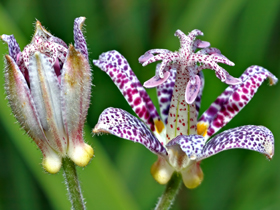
{"x":52,"y":163}
{"x":202,"y":128}
{"x":161,"y":171}
{"x":159,"y":126}
{"x":192,"y":176}
{"x":81,"y":154}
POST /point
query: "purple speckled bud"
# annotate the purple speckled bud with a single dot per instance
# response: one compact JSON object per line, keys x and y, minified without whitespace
{"x":48,"y":87}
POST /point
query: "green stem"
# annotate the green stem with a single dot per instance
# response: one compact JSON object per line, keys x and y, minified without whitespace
{"x":170,"y":192}
{"x":73,"y":185}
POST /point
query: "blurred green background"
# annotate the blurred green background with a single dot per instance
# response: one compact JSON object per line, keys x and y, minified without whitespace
{"x":246,"y":31}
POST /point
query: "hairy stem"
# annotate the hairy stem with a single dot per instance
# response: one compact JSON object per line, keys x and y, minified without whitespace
{"x":172,"y":187}
{"x":73,"y":185}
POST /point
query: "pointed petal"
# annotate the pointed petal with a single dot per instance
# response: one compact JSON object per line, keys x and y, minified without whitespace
{"x":192,"y":176}
{"x":234,"y":98}
{"x":192,"y":90}
{"x":14,"y":49}
{"x":161,"y":171}
{"x":21,"y":102}
{"x":42,"y":32}
{"x":45,"y":91}
{"x":164,"y":93}
{"x":191,"y":145}
{"x":80,"y":41}
{"x":117,"y":67}
{"x":251,"y":137}
{"x":124,"y":125}
{"x":75,"y":92}
{"x":23,"y":108}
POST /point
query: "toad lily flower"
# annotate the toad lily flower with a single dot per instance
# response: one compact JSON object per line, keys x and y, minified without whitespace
{"x":48,"y":87}
{"x":181,"y":142}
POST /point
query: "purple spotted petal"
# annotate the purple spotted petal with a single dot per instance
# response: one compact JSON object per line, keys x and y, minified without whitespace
{"x":234,"y":98}
{"x":164,"y":92}
{"x":80,"y":41}
{"x":192,"y":145}
{"x":256,"y":138}
{"x":14,"y":49}
{"x":117,"y":67}
{"x":124,"y":125}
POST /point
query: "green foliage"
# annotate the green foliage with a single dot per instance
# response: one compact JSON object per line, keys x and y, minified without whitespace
{"x":118,"y":177}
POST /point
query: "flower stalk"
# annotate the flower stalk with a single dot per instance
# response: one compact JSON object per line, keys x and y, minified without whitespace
{"x":171,"y":190}
{"x":72,"y":184}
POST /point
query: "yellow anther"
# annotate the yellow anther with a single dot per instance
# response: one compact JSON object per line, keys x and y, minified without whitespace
{"x":159,"y":126}
{"x":202,"y":128}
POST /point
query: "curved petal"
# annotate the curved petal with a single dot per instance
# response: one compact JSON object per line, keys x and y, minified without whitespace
{"x":75,"y":95}
{"x":124,"y":125}
{"x":233,"y":99}
{"x":117,"y":67}
{"x":23,"y":108}
{"x":14,"y":49}
{"x":45,"y":91}
{"x":80,"y":41}
{"x":251,"y":137}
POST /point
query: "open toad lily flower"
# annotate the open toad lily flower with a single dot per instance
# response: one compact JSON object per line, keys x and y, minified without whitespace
{"x":182,"y":147}
{"x":48,"y":87}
